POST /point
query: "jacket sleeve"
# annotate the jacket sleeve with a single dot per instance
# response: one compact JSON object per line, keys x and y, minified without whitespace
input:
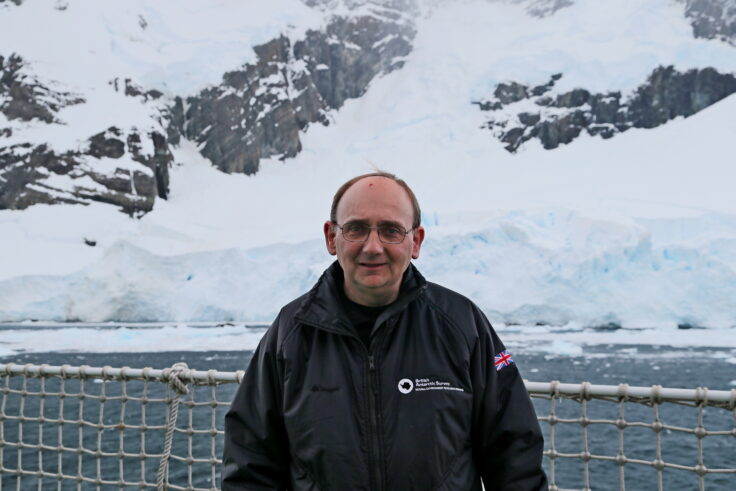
{"x":256,"y":453}
{"x":507,"y":439}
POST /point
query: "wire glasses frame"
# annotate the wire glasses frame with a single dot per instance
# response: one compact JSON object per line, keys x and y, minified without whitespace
{"x":358,"y":232}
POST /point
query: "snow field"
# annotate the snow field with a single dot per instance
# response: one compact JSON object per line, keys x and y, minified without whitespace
{"x":638,"y":230}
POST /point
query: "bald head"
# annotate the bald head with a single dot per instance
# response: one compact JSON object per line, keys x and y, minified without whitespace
{"x":416,"y":212}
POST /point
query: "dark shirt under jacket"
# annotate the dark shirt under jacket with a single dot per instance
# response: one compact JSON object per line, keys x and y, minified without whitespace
{"x":362,"y":317}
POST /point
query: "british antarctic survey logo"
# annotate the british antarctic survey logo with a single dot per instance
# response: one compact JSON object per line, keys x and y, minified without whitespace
{"x":405,"y":385}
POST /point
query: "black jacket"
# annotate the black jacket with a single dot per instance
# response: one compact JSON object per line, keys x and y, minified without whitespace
{"x":422,"y":409}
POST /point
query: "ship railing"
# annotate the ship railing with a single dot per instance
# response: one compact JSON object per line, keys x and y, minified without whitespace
{"x":82,"y":427}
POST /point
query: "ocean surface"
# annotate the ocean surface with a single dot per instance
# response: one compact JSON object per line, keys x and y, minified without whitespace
{"x":636,"y":365}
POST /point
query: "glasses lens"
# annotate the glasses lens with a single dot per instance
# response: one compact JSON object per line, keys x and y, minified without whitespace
{"x":358,"y":232}
{"x":355,"y":231}
{"x":391,"y":234}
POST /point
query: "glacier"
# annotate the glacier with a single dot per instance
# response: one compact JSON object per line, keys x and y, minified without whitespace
{"x":554,"y":267}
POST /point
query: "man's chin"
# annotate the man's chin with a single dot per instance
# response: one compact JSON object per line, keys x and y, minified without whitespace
{"x":372,"y":281}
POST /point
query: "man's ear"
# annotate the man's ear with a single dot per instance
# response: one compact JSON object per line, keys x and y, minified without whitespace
{"x":417,"y":239}
{"x":330,"y":234}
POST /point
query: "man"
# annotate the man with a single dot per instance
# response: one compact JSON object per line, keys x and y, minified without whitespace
{"x":377,"y":379}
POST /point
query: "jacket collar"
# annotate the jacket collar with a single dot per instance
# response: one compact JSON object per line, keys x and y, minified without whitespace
{"x":323,"y":306}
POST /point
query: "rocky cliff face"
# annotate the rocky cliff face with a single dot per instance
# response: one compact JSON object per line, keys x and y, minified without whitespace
{"x":543,"y":8}
{"x":518,"y":113}
{"x":259,"y":110}
{"x":121,"y":166}
{"x":31,"y":174}
{"x":24,"y":98}
{"x":713,"y":19}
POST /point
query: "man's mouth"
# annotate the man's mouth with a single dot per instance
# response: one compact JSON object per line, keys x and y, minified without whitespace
{"x":372,"y":265}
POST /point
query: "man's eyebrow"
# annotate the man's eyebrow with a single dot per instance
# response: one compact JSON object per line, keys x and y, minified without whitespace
{"x":382,"y":223}
{"x":390,"y":223}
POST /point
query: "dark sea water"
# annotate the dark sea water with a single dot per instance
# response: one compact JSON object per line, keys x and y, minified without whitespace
{"x":603,"y":364}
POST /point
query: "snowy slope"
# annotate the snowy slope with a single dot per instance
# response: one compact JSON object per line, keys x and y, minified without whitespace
{"x":176,"y":47}
{"x":639,"y":229}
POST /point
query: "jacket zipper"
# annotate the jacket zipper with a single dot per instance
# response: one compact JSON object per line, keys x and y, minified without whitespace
{"x":375,"y":460}
{"x":374,"y":453}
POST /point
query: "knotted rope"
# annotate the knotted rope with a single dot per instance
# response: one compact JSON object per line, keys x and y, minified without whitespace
{"x":173,"y":377}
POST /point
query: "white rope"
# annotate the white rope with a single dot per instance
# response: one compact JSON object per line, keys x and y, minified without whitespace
{"x":173,"y":376}
{"x":106,"y":429}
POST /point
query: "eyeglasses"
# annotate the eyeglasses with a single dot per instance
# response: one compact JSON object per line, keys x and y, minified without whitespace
{"x":359,"y":232}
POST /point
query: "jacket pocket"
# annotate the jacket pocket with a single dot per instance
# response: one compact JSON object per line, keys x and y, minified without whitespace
{"x":462,"y":474}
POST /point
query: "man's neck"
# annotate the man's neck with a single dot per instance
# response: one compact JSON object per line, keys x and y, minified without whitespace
{"x":370,"y":300}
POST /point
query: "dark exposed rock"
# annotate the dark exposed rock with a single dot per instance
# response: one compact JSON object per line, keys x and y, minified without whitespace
{"x":396,"y":6}
{"x":666,"y":94}
{"x":174,"y":116}
{"x":609,"y":326}
{"x":107,"y":144}
{"x":24,"y":98}
{"x":562,"y":130}
{"x":603,"y":130}
{"x":90,"y":242}
{"x":545,"y":8}
{"x":513,"y":137}
{"x":258,"y":111}
{"x":606,"y":108}
{"x":574,"y":98}
{"x":688,"y":325}
{"x":133,"y":90}
{"x":541,"y":89}
{"x":510,"y":92}
{"x":37,"y":174}
{"x":669,"y":94}
{"x":545,"y":101}
{"x":22,"y":166}
{"x":159,"y":162}
{"x":506,"y":93}
{"x":529,"y":119}
{"x":488,"y":105}
{"x":712,"y":19}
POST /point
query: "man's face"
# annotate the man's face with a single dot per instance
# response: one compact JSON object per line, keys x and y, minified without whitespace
{"x":373,"y":269}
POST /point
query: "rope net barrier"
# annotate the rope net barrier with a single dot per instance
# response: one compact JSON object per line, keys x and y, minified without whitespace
{"x":65,"y":427}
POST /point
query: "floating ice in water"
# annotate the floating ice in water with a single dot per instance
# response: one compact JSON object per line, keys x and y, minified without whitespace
{"x":128,"y":339}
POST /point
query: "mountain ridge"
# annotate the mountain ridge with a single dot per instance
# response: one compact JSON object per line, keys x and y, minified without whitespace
{"x":260,"y":110}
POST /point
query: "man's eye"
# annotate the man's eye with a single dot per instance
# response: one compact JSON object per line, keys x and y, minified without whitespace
{"x":354,"y":228}
{"x":392,"y":231}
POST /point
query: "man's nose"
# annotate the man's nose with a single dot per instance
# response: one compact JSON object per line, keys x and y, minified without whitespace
{"x":373,"y":243}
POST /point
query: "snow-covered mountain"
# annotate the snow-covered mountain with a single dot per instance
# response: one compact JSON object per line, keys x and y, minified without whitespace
{"x":573,"y":158}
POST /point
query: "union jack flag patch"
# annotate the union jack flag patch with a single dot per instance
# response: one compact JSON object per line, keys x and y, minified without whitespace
{"x":503,"y":359}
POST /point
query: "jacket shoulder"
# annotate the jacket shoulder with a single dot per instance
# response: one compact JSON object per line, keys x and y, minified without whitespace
{"x":458,"y":310}
{"x":285,"y":322}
